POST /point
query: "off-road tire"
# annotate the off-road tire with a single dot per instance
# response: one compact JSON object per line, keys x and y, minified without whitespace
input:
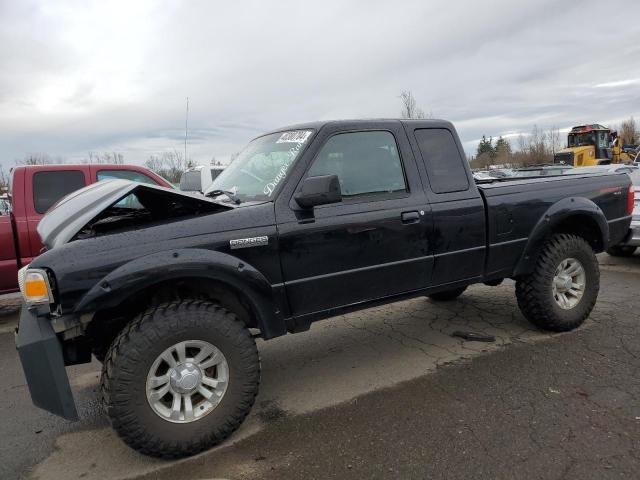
{"x":130,"y":356}
{"x":447,"y":295}
{"x":100,"y":354}
{"x":621,"y":250}
{"x":534,"y":291}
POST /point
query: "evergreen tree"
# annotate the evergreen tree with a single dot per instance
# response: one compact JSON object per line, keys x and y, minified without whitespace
{"x":502,"y":146}
{"x":502,"y":151}
{"x":486,"y":146}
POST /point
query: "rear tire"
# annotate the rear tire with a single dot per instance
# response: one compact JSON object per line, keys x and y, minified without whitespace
{"x":621,"y":250}
{"x":551,"y":297}
{"x":447,"y":295}
{"x":229,"y":375}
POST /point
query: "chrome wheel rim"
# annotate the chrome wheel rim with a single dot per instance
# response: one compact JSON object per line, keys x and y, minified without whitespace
{"x":569,"y":282}
{"x":187,"y":381}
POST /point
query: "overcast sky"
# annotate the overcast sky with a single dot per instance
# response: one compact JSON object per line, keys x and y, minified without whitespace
{"x":113,"y":75}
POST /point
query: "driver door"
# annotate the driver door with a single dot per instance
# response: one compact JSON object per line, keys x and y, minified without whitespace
{"x":372,"y":244}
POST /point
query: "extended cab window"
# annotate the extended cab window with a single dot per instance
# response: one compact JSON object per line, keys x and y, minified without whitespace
{"x":49,"y":187}
{"x":442,"y":159}
{"x":366,"y":163}
{"x":126,"y":175}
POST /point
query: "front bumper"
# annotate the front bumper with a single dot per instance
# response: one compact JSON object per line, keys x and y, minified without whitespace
{"x":42,"y":361}
{"x":633,"y":237}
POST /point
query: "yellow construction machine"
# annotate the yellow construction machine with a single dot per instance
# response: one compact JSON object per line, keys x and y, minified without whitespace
{"x":589,"y":145}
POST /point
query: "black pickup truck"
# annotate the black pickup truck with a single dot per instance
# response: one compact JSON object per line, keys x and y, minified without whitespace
{"x":309,"y":222}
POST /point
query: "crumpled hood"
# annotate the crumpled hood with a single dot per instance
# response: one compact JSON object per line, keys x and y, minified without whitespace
{"x":75,"y":211}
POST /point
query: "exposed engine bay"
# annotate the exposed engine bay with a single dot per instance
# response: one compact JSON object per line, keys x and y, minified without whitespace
{"x":144,"y":207}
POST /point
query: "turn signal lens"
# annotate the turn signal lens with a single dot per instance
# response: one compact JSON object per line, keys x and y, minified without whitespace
{"x":36,"y":287}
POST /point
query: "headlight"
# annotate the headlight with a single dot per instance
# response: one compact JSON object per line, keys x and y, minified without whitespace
{"x":21,"y":274}
{"x":34,"y":285}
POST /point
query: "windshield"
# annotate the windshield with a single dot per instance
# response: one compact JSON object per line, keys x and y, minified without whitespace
{"x":580,"y":139}
{"x":258,"y":170}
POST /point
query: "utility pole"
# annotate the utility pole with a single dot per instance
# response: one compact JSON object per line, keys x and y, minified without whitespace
{"x":186,"y":131}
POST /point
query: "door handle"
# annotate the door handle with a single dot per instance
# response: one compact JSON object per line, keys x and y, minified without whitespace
{"x":410,"y":217}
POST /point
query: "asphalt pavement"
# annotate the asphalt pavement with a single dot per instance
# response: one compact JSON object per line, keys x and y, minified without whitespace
{"x":389,"y":393}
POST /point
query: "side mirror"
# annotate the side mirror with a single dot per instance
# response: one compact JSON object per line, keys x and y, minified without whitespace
{"x":319,"y":190}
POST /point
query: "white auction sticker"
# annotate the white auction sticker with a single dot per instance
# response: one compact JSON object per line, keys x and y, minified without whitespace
{"x":296,"y":136}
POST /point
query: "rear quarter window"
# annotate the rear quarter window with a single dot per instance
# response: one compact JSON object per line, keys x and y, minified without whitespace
{"x":49,"y":187}
{"x":445,"y":167}
{"x":126,"y":175}
{"x":130,"y":201}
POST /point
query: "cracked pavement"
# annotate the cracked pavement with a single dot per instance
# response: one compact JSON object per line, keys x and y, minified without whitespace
{"x":388,"y":393}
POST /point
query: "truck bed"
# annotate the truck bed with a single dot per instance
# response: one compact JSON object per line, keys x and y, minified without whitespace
{"x":514,"y":207}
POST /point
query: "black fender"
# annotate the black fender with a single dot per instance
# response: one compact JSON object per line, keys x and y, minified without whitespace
{"x":556,"y":214}
{"x":144,"y":272}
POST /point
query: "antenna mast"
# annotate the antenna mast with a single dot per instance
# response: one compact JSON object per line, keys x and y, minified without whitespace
{"x":186,"y":131}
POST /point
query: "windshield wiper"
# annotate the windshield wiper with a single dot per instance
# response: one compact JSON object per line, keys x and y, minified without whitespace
{"x":232,"y":196}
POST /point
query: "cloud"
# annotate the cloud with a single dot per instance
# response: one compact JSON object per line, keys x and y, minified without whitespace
{"x":619,"y":83}
{"x":94,"y":76}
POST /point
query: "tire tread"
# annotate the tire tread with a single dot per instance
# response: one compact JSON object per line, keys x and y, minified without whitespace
{"x":125,"y":351}
{"x":532,"y":290}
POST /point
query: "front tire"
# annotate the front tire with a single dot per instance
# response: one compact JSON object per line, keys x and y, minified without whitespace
{"x":621,"y":250}
{"x":562,"y":289}
{"x":180,"y":378}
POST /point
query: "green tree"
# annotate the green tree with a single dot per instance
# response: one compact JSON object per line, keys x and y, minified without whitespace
{"x":486,"y":146}
{"x":502,"y":146}
{"x":502,"y":151}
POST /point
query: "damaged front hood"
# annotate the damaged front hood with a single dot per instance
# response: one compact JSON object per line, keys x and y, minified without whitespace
{"x":74,"y":212}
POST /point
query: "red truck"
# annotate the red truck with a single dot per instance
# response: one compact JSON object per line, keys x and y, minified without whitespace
{"x":33,"y":190}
